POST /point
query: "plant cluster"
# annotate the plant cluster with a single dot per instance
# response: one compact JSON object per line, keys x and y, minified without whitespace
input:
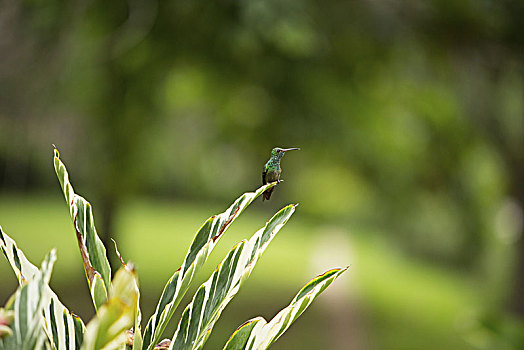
{"x":34,"y":317}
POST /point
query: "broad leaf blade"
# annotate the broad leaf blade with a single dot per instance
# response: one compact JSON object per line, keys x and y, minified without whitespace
{"x":201,"y":314}
{"x":240,"y":337}
{"x":211,"y":298}
{"x":64,"y":329}
{"x":24,"y":270}
{"x":258,"y":334}
{"x":203,"y":243}
{"x":27,"y":304}
{"x":135,"y":336}
{"x":108,"y":329}
{"x":92,"y":249}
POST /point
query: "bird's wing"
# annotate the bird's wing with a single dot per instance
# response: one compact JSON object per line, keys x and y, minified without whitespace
{"x":264,"y":172}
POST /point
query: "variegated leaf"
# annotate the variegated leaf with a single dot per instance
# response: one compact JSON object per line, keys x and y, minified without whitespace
{"x":203,"y":243}
{"x":64,"y":329}
{"x":109,"y":328}
{"x":27,"y":304}
{"x":24,"y":270}
{"x":211,"y":298}
{"x":257,"y":334}
{"x":135,"y":336}
{"x":92,"y":250}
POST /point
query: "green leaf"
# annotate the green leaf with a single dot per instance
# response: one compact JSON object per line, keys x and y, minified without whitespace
{"x":259,"y":334}
{"x":24,"y":270}
{"x":92,"y":250}
{"x":27,"y":305}
{"x":211,"y":298}
{"x":136,"y":334}
{"x":64,"y":329}
{"x":203,"y":243}
{"x":108,"y":329}
{"x":98,"y":290}
{"x":240,"y":336}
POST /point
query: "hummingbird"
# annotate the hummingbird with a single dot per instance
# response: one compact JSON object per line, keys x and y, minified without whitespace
{"x":272,"y":169}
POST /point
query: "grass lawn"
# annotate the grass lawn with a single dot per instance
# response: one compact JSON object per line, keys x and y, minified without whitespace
{"x":384,"y":301}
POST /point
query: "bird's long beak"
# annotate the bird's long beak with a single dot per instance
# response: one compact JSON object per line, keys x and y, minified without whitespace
{"x":290,"y":149}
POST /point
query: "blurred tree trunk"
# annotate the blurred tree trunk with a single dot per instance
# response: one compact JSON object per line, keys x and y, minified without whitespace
{"x":121,"y":111}
{"x":112,"y":146}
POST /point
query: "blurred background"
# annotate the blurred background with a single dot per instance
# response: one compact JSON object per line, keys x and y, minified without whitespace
{"x":410,"y":116}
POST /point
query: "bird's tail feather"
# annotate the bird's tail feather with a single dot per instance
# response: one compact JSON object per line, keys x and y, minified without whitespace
{"x":267,"y":194}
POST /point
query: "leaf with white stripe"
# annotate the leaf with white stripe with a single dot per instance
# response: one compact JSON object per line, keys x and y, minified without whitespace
{"x":92,"y":250}
{"x":108,"y":329}
{"x":24,"y":270}
{"x":135,"y":335}
{"x":257,"y":334}
{"x":211,"y":298}
{"x":203,"y":243}
{"x":64,"y":329}
{"x":27,"y":304}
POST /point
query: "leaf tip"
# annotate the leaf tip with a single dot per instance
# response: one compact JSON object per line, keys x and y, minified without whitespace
{"x":75,"y":316}
{"x":119,"y":255}
{"x":52,"y":254}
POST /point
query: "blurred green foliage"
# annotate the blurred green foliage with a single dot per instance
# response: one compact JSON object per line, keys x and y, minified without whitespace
{"x":410,"y":115}
{"x":383,"y":97}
